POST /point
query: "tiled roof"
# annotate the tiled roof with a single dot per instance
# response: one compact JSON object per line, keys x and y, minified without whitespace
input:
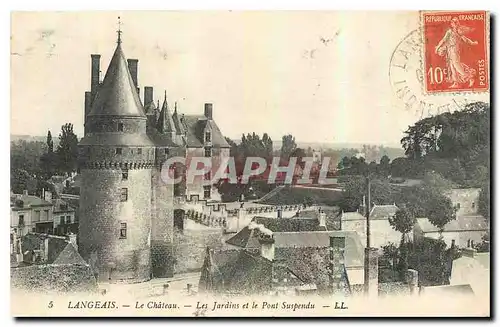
{"x":117,"y":96}
{"x":383,"y":211}
{"x":28,"y":201}
{"x":68,"y":278}
{"x":472,"y":223}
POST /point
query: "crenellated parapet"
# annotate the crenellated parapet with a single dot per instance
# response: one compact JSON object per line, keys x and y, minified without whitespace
{"x":117,"y":165}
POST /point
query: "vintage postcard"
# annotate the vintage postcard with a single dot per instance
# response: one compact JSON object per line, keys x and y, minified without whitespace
{"x":250,"y":163}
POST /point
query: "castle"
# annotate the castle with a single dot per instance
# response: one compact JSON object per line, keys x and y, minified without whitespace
{"x":126,"y":209}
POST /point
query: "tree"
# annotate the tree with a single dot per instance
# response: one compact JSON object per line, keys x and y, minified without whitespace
{"x":50,"y":143}
{"x":384,"y":166}
{"x":288,"y":145}
{"x":440,"y":210}
{"x":21,"y":180}
{"x":67,"y":151}
{"x":403,"y":222}
{"x":484,"y":201}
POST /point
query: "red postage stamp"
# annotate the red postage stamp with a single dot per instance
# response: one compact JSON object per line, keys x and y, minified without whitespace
{"x":456,"y":51}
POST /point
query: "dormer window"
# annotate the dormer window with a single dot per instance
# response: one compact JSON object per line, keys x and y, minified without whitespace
{"x":120,"y":127}
{"x":208,"y":136}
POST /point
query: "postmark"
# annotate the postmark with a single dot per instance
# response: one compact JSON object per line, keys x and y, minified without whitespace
{"x":406,"y":77}
{"x":455,"y":51}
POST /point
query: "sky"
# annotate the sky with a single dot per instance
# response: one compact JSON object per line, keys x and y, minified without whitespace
{"x":320,"y":76}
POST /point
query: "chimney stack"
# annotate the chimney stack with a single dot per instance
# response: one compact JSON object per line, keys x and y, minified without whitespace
{"x":337,"y":264}
{"x":72,"y":239}
{"x":208,"y":111}
{"x":132,"y":67}
{"x":322,"y":218}
{"x":46,"y":248}
{"x":148,"y":95}
{"x":88,"y":106}
{"x":412,"y":280}
{"x":47,"y":196}
{"x":95,"y":74}
{"x":25,"y":192}
{"x":371,"y":272}
{"x":267,"y":247}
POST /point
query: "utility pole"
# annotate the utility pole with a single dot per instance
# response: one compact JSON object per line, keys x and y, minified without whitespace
{"x":367,"y":249}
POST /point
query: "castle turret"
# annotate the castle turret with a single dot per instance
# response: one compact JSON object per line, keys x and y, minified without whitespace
{"x":165,"y":123}
{"x":116,"y":161}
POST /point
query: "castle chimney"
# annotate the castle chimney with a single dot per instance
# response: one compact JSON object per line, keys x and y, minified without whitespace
{"x":95,"y":73}
{"x":132,"y":67}
{"x":412,"y":280}
{"x":267,"y":247}
{"x":208,"y":111}
{"x":371,"y":272}
{"x":88,"y":106}
{"x":148,"y":95}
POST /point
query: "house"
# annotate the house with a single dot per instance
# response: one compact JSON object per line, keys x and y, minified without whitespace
{"x":293,"y":234}
{"x":381,"y":231}
{"x":29,"y":213}
{"x":35,"y":248}
{"x":283,"y":263}
{"x":473,"y":269}
{"x":65,"y":219}
{"x":465,"y":200}
{"x":464,"y":231}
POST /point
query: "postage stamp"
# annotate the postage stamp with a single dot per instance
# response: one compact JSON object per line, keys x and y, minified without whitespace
{"x":455,"y":51}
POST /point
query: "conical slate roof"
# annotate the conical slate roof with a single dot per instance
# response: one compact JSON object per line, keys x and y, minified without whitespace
{"x":165,"y":122}
{"x":117,"y":96}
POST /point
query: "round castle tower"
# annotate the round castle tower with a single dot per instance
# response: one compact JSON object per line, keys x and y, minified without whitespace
{"x":116,"y":161}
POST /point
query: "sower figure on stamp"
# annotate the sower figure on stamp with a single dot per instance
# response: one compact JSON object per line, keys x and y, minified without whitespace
{"x":458,"y":72}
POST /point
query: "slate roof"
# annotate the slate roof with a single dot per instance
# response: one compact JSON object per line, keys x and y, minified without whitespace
{"x":194,"y":126}
{"x":247,"y":237}
{"x":352,"y":216}
{"x":383,"y":211}
{"x":60,"y":250}
{"x":245,"y":271}
{"x":460,"y":224}
{"x":61,"y":206}
{"x":118,"y":139}
{"x":29,"y":201}
{"x":117,"y":95}
{"x":165,"y":122}
{"x":354,"y":252}
{"x":447,"y":289}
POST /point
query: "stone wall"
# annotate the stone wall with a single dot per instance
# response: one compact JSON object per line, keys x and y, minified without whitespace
{"x":101,"y":214}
